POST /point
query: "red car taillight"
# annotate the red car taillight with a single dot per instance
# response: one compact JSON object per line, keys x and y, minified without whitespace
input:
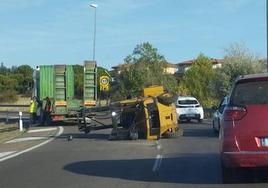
{"x":234,"y":113}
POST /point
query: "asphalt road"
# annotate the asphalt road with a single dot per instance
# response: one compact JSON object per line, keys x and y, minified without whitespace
{"x":93,"y":161}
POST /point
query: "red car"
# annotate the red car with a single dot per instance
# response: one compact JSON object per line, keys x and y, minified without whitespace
{"x":244,"y":131}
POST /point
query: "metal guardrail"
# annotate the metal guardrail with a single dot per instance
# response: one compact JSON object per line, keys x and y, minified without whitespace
{"x":12,"y":116}
{"x":19,"y":118}
{"x":14,"y":105}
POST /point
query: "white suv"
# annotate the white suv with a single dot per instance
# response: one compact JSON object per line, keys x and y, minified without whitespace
{"x":188,"y":108}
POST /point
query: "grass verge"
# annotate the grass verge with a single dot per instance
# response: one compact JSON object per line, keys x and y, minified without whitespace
{"x":9,"y":131}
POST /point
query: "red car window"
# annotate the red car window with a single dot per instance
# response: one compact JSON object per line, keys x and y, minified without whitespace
{"x":250,"y":93}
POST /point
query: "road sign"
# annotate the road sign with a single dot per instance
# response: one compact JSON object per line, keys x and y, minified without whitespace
{"x":104,"y":83}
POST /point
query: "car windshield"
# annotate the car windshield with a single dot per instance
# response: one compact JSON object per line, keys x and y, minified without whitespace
{"x":250,"y":93}
{"x":187,"y":102}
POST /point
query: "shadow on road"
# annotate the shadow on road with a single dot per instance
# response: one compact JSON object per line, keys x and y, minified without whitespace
{"x":186,"y":168}
{"x":94,"y":136}
{"x":195,"y":122}
{"x":188,"y":132}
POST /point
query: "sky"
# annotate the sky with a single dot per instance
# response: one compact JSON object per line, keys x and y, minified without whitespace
{"x":45,"y":32}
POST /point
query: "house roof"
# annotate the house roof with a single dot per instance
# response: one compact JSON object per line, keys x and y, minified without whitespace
{"x":120,"y":66}
{"x":190,"y":62}
{"x":127,"y":65}
{"x":171,"y":65}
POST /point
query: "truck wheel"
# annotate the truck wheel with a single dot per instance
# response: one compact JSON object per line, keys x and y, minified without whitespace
{"x":49,"y":120}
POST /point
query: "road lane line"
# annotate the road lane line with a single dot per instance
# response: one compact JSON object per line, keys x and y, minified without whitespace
{"x":27,"y":139}
{"x":42,"y":130}
{"x":157,"y":163}
{"x":3,"y":154}
{"x":34,"y":147}
{"x":160,"y":162}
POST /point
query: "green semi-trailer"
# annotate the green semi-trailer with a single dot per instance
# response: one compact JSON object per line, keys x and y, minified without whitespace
{"x":56,"y":82}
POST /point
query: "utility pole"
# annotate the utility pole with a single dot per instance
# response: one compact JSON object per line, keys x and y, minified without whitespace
{"x":267,"y":35}
{"x":94,"y":37}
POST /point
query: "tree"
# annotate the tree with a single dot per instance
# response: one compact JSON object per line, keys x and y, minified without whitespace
{"x":239,"y":60}
{"x":25,"y":70}
{"x":8,"y":86}
{"x":144,"y":52}
{"x":145,"y":68}
{"x":3,"y":69}
{"x":198,"y":79}
{"x":24,"y":76}
{"x":8,"y":83}
{"x":220,"y":85}
{"x":78,"y":81}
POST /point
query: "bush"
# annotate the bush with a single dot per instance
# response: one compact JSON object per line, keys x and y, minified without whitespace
{"x":8,"y":96}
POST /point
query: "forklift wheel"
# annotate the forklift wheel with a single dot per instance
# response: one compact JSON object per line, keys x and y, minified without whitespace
{"x":133,"y":135}
{"x":175,"y":134}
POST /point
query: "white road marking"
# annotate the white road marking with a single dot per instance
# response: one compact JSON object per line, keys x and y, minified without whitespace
{"x":3,"y":154}
{"x":157,"y":163}
{"x":158,"y":158}
{"x":32,"y":148}
{"x":27,"y":139}
{"x":42,"y":130}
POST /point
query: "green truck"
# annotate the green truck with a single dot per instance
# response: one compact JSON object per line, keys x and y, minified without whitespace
{"x":56,"y":83}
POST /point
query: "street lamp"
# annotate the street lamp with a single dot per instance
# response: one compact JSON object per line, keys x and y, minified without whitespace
{"x":94,"y":38}
{"x":267,"y":34}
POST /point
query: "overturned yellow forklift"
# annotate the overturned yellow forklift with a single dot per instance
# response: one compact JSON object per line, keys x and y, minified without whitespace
{"x":151,"y":116}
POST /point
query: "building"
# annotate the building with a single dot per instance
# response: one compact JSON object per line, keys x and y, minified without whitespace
{"x":185,"y":65}
{"x":117,"y":70}
{"x":170,"y":68}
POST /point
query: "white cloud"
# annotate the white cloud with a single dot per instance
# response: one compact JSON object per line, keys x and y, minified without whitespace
{"x":236,"y":5}
{"x":7,"y":5}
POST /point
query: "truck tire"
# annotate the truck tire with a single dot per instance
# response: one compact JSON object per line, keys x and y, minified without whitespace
{"x":165,"y":100}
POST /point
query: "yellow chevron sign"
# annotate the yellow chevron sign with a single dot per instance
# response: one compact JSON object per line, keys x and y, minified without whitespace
{"x":104,"y":83}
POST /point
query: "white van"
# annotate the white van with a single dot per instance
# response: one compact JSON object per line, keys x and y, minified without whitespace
{"x":189,"y":108}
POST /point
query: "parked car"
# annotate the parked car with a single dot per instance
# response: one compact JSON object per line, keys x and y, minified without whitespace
{"x":189,"y":108}
{"x":218,"y":114}
{"x":244,"y":130}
